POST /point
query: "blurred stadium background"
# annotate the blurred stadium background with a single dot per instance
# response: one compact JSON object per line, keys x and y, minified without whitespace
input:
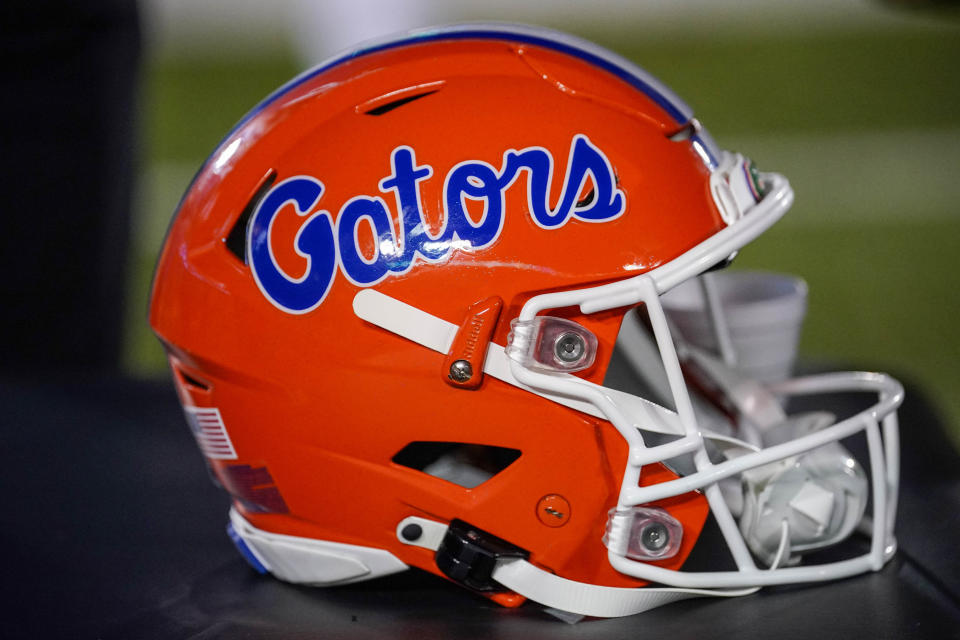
{"x":857,"y":103}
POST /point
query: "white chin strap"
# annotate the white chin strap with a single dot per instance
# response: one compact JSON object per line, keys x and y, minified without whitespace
{"x":555,"y":592}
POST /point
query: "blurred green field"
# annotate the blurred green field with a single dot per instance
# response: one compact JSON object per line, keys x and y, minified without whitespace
{"x":866,"y":124}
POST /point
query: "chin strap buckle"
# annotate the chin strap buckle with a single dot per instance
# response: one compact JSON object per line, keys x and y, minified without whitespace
{"x":469,"y":555}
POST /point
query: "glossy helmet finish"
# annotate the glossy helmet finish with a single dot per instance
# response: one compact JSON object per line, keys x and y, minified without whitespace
{"x":353,"y":298}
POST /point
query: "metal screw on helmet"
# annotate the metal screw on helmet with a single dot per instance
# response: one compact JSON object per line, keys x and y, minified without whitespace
{"x":461,"y":371}
{"x":654,"y":537}
{"x":569,"y":347}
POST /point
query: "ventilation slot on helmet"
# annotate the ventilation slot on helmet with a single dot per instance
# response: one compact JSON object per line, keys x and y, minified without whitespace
{"x":466,"y":465}
{"x":236,"y":240}
{"x":390,"y":106}
{"x":395,"y":99}
{"x":686,"y":131}
{"x":190,"y":381}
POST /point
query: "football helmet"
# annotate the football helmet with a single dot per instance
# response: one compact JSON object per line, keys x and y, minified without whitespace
{"x":391,"y":298}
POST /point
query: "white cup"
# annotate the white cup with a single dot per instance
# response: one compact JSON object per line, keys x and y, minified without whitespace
{"x":764,"y":314}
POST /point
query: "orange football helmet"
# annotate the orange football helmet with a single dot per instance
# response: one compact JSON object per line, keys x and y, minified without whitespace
{"x":390,"y":299}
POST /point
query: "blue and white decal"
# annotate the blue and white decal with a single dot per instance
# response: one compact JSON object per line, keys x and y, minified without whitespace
{"x":400,"y":245}
{"x":314,"y":241}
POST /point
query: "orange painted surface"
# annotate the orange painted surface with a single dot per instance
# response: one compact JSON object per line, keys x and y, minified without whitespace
{"x":324,"y":400}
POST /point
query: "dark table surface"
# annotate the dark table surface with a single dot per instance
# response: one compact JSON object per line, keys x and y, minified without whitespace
{"x":111,"y":529}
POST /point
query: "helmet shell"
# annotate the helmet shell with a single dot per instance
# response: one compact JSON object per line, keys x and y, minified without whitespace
{"x":322,"y":401}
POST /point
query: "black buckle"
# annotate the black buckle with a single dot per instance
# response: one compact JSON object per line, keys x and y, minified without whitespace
{"x":468,"y":555}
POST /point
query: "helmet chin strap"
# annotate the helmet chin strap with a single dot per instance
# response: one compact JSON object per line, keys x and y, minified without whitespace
{"x":581,"y":598}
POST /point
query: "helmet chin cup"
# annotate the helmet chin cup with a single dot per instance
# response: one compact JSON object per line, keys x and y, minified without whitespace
{"x":821,"y":495}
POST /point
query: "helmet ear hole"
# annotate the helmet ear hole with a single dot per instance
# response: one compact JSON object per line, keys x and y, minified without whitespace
{"x":463,"y":464}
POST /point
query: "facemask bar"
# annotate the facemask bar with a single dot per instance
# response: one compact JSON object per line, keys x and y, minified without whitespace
{"x":646,"y":289}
